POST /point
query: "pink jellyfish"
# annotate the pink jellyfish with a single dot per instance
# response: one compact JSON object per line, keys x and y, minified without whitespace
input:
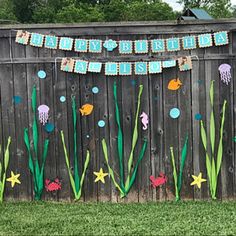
{"x":225,"y":74}
{"x":43,"y":114}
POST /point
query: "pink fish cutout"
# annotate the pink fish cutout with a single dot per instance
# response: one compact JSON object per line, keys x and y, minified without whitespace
{"x":144,"y":120}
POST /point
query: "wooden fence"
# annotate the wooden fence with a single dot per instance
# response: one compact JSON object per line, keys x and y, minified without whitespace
{"x":18,"y":73}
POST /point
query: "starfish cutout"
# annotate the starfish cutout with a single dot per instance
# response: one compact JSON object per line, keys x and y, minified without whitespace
{"x":198,"y":180}
{"x":14,"y":179}
{"x":100,"y":176}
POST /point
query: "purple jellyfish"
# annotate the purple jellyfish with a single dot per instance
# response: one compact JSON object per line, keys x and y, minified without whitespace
{"x":43,"y":114}
{"x":225,"y":74}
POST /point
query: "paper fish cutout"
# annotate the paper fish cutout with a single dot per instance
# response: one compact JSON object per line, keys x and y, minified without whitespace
{"x":86,"y":109}
{"x":174,"y":84}
{"x":14,"y":179}
{"x":198,"y":180}
{"x":100,"y":176}
{"x":144,"y":120}
{"x":160,"y":180}
{"x":52,"y":186}
{"x":225,"y":74}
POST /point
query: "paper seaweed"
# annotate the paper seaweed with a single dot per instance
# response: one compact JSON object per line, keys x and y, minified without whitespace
{"x":160,"y":180}
{"x":34,"y":166}
{"x":178,"y":179}
{"x":125,"y":186}
{"x":76,"y":180}
{"x":3,"y":168}
{"x":225,"y":73}
{"x":213,"y":159}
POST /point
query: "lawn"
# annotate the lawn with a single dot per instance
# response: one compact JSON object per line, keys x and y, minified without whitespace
{"x":166,"y":218}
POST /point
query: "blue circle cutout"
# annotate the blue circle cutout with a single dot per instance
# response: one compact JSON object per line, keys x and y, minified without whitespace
{"x":174,"y":113}
{"x":198,"y":116}
{"x":49,"y":127}
{"x":17,"y":99}
{"x":101,"y":123}
{"x":95,"y":90}
{"x":42,"y":74}
{"x":62,"y":98}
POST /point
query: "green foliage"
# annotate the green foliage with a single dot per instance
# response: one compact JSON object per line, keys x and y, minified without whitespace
{"x":75,"y":180}
{"x":213,"y":162}
{"x":6,"y":11}
{"x":125,"y":186}
{"x":34,"y":166}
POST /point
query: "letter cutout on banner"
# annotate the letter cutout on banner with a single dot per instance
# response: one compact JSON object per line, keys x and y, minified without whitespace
{"x":81,"y":67}
{"x":36,"y":40}
{"x":158,"y":45}
{"x":221,"y":38}
{"x":140,"y":68}
{"x":125,"y":68}
{"x":95,"y":45}
{"x":67,"y":64}
{"x":66,"y":44}
{"x":205,"y":40}
{"x":111,"y":68}
{"x":51,"y":42}
{"x":110,"y":45}
{"x":173,"y":44}
{"x":22,"y":37}
{"x":155,"y":67}
{"x":81,"y":45}
{"x":189,"y":42}
{"x":169,"y":63}
{"x":95,"y":67}
{"x":141,"y":46}
{"x":125,"y":47}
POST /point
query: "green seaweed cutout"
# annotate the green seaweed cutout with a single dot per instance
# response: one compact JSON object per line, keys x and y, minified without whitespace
{"x":76,"y":181}
{"x":35,"y":169}
{"x":213,"y":164}
{"x":124,"y":188}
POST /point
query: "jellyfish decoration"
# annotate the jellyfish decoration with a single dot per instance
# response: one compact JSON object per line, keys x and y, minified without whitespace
{"x":43,"y":114}
{"x":225,"y":74}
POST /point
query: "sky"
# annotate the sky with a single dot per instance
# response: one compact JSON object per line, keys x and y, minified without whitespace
{"x":178,"y":7}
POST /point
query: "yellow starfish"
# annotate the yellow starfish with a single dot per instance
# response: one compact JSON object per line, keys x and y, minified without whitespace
{"x":100,"y":176}
{"x":14,"y":179}
{"x":198,"y":180}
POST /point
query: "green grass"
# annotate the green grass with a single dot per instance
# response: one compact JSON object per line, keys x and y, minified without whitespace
{"x":166,"y":218}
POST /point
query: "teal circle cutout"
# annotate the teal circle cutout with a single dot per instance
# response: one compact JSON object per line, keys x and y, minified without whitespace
{"x":95,"y":90}
{"x":174,"y":113}
{"x":62,"y":98}
{"x":198,"y":116}
{"x":101,"y":123}
{"x":49,"y":127}
{"x":42,"y":74}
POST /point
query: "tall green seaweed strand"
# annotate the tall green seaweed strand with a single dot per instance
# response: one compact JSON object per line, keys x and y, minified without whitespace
{"x":213,"y":166}
{"x":75,"y":180}
{"x":34,"y":165}
{"x":178,"y":179}
{"x":4,"y":171}
{"x":125,"y":186}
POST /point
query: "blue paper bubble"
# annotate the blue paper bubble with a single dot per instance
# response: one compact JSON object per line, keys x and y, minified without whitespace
{"x":174,"y":113}
{"x":17,"y":99}
{"x":95,"y":90}
{"x":42,"y":74}
{"x":62,"y":98}
{"x":198,"y":116}
{"x":49,"y":127}
{"x":87,"y":136}
{"x":101,"y":123}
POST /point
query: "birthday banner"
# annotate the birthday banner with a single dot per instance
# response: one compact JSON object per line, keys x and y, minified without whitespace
{"x":124,"y":68}
{"x":123,"y":46}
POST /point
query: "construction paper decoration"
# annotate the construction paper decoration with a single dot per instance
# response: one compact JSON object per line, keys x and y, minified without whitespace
{"x":141,"y":46}
{"x":22,"y":37}
{"x":51,"y":42}
{"x":189,"y":42}
{"x":169,"y":63}
{"x":43,"y":113}
{"x":52,"y":186}
{"x":62,"y":98}
{"x":125,"y":47}
{"x":66,"y":43}
{"x":81,"y":45}
{"x":101,"y":123}
{"x":205,"y":40}
{"x":174,"y":84}
{"x":86,"y":109}
{"x":110,"y":45}
{"x":111,"y":68}
{"x":225,"y":74}
{"x":221,"y":38}
{"x":198,"y":116}
{"x":158,"y":45}
{"x":125,"y":68}
{"x":95,"y":46}
{"x":42,"y":74}
{"x":144,"y":120}
{"x":160,"y":180}
{"x":234,"y":139}
{"x":174,"y":113}
{"x":14,"y":179}
{"x":185,"y":63}
{"x":17,"y":99}
{"x":95,"y":67}
{"x":49,"y":127}
{"x":100,"y":176}
{"x":140,"y":68}
{"x":154,"y":67}
{"x":81,"y":67}
{"x":173,"y":44}
{"x":133,"y":82}
{"x":198,"y":180}
{"x":95,"y":90}
{"x":67,"y":64}
{"x":36,"y":40}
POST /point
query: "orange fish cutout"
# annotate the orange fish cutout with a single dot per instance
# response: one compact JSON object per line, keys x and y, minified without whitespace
{"x":174,"y":84}
{"x":86,"y":109}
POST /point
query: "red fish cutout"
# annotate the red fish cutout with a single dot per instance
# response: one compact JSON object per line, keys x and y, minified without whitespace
{"x":52,"y":186}
{"x":160,"y":180}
